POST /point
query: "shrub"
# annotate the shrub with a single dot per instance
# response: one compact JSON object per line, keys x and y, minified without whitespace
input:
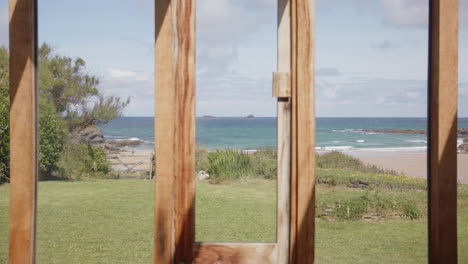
{"x":201,"y":159}
{"x":338,"y":160}
{"x":51,"y":140}
{"x":264,"y":163}
{"x":225,"y":165}
{"x":353,"y":208}
{"x":84,"y":161}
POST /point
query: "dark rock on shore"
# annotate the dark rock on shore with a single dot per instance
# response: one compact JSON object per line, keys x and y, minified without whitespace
{"x":90,"y":135}
{"x":463,"y":148}
{"x":396,"y":131}
{"x":123,"y":143}
{"x":463,"y":132}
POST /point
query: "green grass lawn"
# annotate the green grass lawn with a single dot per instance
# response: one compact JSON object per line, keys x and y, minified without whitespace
{"x":111,"y":221}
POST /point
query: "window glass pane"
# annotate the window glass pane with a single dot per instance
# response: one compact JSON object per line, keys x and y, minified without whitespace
{"x":95,"y":204}
{"x":236,"y":121}
{"x":371,"y":86}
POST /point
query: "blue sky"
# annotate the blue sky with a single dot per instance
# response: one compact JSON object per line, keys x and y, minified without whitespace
{"x":371,"y":56}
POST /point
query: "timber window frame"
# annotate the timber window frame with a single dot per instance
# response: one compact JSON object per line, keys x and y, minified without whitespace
{"x":175,"y":121}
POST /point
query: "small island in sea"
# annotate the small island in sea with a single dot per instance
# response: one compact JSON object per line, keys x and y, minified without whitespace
{"x":250,"y":116}
{"x":208,"y":116}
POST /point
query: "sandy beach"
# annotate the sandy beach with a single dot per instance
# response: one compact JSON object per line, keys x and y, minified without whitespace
{"x":131,"y":161}
{"x":412,"y":164}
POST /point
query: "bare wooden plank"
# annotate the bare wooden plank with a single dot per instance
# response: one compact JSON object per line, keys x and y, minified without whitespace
{"x":234,"y":253}
{"x":185,"y":138}
{"x":442,"y":154}
{"x":23,"y":130}
{"x":294,"y":140}
{"x":305,"y":46}
{"x":282,"y":82}
{"x":165,"y":129}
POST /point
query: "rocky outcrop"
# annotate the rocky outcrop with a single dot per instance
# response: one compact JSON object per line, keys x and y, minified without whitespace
{"x":463,"y":132}
{"x":396,"y":131}
{"x":123,"y":143}
{"x":90,"y":135}
{"x":463,"y":148}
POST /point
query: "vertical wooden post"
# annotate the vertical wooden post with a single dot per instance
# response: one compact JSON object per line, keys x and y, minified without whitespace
{"x":185,"y":133}
{"x":303,"y":130}
{"x":174,"y":131}
{"x":442,"y":153}
{"x":165,"y":127}
{"x":23,"y":130}
{"x":284,"y":134}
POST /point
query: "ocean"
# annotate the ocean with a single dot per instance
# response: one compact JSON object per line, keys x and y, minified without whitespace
{"x":342,"y":134}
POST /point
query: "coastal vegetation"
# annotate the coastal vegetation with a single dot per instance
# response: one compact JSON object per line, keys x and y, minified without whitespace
{"x":384,"y":193}
{"x":97,"y":217}
{"x":69,"y":101}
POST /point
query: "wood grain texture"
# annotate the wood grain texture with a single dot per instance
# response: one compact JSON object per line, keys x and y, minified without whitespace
{"x":175,"y":130}
{"x":282,"y":81}
{"x":234,"y":253}
{"x":23,"y":130}
{"x":294,"y":140}
{"x":282,"y":84}
{"x":442,"y":154}
{"x":304,"y":244}
{"x":165,"y":130}
{"x":185,"y":131}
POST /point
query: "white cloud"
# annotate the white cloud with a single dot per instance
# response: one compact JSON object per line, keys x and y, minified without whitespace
{"x":415,"y":13}
{"x":328,"y":72}
{"x":126,"y":74}
{"x":371,"y":97}
{"x":406,"y":12}
{"x":385,"y":45}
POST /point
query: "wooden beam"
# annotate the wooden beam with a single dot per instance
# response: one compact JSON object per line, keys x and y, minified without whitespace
{"x":294,"y":141}
{"x":304,"y":130}
{"x":184,"y":153}
{"x":165,"y":130}
{"x":235,"y":253}
{"x":175,"y":130}
{"x":442,"y":153}
{"x":282,"y":82}
{"x":23,"y":130}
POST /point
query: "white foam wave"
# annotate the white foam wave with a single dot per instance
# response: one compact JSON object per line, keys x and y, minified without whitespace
{"x":360,"y":141}
{"x":384,"y":149}
{"x":372,"y":133}
{"x":135,"y":139}
{"x":416,"y":141}
{"x":337,"y":148}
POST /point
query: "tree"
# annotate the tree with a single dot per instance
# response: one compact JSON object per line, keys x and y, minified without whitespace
{"x":74,"y":93}
{"x":69,"y":99}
